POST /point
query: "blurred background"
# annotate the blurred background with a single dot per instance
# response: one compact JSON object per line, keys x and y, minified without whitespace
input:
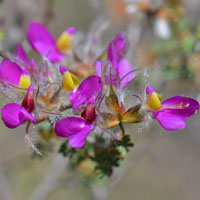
{"x":164,"y":37}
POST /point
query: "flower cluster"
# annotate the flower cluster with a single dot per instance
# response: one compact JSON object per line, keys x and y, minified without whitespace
{"x":89,"y":110}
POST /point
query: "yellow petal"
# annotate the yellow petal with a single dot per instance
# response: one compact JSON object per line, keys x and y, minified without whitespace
{"x":159,"y":97}
{"x":67,"y":81}
{"x":75,"y":80}
{"x":70,"y":81}
{"x":154,"y":101}
{"x":64,"y":42}
{"x":24,"y":82}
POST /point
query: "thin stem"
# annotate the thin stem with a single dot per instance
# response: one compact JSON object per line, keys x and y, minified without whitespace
{"x":122,"y":129}
{"x":29,"y":140}
{"x":13,"y":86}
{"x":41,"y":120}
{"x":51,"y":113}
{"x":63,"y":108}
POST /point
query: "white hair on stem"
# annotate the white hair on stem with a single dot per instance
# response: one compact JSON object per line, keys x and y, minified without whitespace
{"x":29,"y":140}
{"x":145,"y":124}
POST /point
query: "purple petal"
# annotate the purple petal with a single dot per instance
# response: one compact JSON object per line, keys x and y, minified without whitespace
{"x":71,"y":30}
{"x":21,"y":55}
{"x":69,"y":126}
{"x":182,"y":106}
{"x":48,"y":51}
{"x":77,"y":99}
{"x":88,"y":88}
{"x":91,"y":101}
{"x":98,"y":68}
{"x":78,"y":140}
{"x":125,"y":72}
{"x":37,"y":33}
{"x":117,"y":49}
{"x":10,"y":72}
{"x":33,"y":66}
{"x":120,"y":46}
{"x":149,"y":90}
{"x":103,"y":70}
{"x":25,"y":71}
{"x":74,"y":127}
{"x":112,"y":56}
{"x":43,"y":42}
{"x":54,"y":55}
{"x":62,"y":69}
{"x":170,"y":121}
{"x":14,"y":115}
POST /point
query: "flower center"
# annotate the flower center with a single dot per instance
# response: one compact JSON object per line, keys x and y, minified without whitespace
{"x":89,"y":113}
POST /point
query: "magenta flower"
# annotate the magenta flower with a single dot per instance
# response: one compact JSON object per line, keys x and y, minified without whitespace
{"x":87,"y":90}
{"x":121,"y":69}
{"x":43,"y":42}
{"x":117,"y":49}
{"x":76,"y":128}
{"x":123,"y":73}
{"x":13,"y":114}
{"x":11,"y":73}
{"x":171,"y":112}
